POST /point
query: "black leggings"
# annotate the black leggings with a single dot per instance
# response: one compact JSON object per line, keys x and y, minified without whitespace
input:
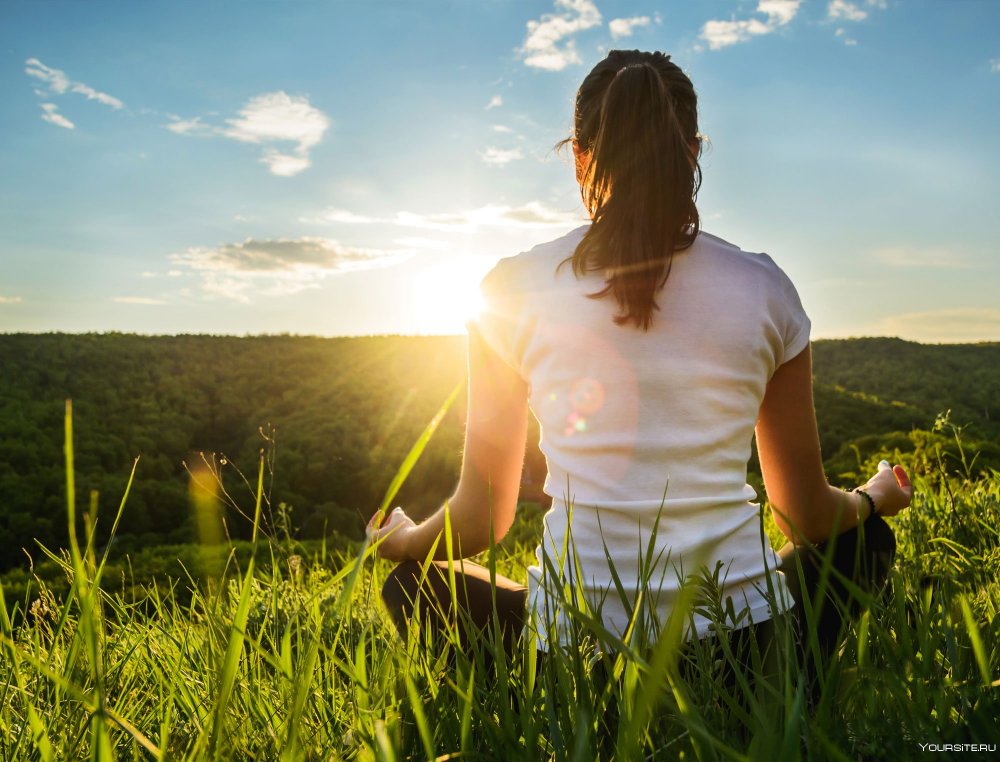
{"x":859,"y":558}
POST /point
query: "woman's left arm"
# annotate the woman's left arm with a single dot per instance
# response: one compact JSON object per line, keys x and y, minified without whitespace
{"x":487,"y":491}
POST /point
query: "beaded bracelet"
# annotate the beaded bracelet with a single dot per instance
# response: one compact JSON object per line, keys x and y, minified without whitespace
{"x":871,"y":501}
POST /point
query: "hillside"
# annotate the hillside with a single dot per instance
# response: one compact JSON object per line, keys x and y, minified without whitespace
{"x":338,"y":416}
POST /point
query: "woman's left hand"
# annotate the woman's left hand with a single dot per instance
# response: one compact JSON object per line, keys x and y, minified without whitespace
{"x":392,"y":539}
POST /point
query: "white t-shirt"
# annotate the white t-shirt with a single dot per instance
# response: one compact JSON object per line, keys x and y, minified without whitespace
{"x":646,"y":426}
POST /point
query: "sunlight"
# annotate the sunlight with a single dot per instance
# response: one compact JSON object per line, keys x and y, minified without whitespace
{"x":446,"y":295}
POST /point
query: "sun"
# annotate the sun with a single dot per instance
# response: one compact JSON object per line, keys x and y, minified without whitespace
{"x":445,"y":295}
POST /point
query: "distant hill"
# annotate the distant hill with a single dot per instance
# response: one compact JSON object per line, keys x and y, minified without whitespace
{"x":345,"y":412}
{"x":929,"y":378}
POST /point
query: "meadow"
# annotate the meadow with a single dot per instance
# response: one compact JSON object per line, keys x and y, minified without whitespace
{"x":274,"y":649}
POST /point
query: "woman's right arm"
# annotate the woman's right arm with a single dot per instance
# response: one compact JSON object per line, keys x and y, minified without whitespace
{"x":805,"y":507}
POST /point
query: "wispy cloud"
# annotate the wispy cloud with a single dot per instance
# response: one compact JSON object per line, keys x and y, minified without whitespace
{"x":95,"y":95}
{"x":502,"y":128}
{"x":50,"y":114}
{"x":277,"y":266}
{"x":138,"y":300}
{"x":58,"y":83}
{"x":498,"y":157}
{"x":495,"y":102}
{"x":995,"y":65}
{"x":55,"y":79}
{"x":960,"y":324}
{"x":10,"y":300}
{"x":266,"y":120}
{"x":847,"y":11}
{"x":620,"y":28}
{"x":187,"y":126}
{"x":549,"y":43}
{"x":533,"y":214}
{"x":776,"y":13}
{"x":342,"y":215}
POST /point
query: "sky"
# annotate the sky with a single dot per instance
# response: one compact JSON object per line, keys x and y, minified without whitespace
{"x":349,"y":168}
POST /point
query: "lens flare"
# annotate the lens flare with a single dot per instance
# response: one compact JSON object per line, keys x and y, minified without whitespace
{"x":586,"y":395}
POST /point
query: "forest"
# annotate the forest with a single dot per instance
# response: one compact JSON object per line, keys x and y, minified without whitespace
{"x":335,"y":417}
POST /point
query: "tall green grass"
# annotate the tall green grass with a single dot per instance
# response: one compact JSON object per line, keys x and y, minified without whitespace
{"x":295,"y":660}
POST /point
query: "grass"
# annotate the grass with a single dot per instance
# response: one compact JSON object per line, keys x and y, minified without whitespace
{"x":290,"y":657}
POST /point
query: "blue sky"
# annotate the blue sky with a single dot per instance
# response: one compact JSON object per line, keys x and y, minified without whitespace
{"x":353,"y":168}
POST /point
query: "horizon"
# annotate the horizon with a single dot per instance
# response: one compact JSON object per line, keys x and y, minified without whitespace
{"x":292,"y":335}
{"x":247,"y":169}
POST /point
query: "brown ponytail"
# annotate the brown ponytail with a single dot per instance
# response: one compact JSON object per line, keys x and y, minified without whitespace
{"x":637,"y":116}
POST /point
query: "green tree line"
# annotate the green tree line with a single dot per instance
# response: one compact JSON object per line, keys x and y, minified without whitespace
{"x":336,"y":416}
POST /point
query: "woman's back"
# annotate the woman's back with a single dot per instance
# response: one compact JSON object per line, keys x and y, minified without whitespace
{"x":648,"y":351}
{"x":633,"y":420}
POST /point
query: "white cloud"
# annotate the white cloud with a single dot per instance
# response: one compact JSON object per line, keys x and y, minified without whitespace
{"x":549,"y":44}
{"x":265,"y":120}
{"x":720,"y":34}
{"x":138,"y":300}
{"x":187,"y":126}
{"x":344,"y":216}
{"x":495,"y":102}
{"x":501,"y":128}
{"x":95,"y":95}
{"x":284,"y":164}
{"x":279,"y":118}
{"x":277,"y":266}
{"x":625,"y":27}
{"x":843,"y":9}
{"x":50,"y":114}
{"x":533,"y":214}
{"x":779,"y":12}
{"x":501,"y":156}
{"x":10,"y":300}
{"x":961,"y":324}
{"x":995,"y":65}
{"x":59,"y":84}
{"x":56,"y":80}
{"x":283,"y":255}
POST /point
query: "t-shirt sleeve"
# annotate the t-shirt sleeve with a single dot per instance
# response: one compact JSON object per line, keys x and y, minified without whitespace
{"x":501,"y":320}
{"x":796,"y":324}
{"x":790,"y":319}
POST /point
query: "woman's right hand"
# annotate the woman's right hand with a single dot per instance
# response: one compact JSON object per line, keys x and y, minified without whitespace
{"x":891,"y":490}
{"x":390,"y":533}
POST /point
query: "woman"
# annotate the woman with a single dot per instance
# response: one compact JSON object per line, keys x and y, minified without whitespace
{"x":651,"y":352}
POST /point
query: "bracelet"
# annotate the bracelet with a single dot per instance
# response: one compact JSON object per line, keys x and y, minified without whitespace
{"x":871,"y":501}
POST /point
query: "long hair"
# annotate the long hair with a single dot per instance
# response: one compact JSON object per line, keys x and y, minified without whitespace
{"x":637,"y":117}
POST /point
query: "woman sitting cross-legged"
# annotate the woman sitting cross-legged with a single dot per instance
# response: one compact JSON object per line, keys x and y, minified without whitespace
{"x":651,"y":353}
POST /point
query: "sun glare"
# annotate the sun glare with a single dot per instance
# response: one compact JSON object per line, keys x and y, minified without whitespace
{"x":446,"y":296}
